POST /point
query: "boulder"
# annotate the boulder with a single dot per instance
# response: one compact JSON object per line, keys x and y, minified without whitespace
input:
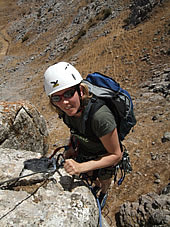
{"x":150,"y":210}
{"x":22,"y":127}
{"x":42,"y":199}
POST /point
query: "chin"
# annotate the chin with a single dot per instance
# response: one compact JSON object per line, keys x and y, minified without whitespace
{"x":71,"y":113}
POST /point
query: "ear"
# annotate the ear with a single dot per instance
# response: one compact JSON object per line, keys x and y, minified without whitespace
{"x":81,"y":91}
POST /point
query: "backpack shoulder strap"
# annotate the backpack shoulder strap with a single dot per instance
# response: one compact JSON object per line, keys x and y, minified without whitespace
{"x":94,"y":105}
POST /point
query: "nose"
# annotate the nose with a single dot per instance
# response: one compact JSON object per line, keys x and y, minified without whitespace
{"x":64,"y":100}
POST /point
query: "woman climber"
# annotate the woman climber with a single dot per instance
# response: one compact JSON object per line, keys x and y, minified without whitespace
{"x":70,"y":96}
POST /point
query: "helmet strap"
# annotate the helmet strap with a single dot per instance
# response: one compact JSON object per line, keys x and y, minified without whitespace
{"x":78,"y":90}
{"x":81,"y":103}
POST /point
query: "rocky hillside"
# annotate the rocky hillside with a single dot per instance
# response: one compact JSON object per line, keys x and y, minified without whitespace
{"x":127,"y":40}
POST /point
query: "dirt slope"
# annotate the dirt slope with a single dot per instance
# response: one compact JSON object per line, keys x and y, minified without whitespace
{"x":137,"y":58}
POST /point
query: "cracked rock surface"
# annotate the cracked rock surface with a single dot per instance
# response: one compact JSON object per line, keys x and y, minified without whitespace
{"x":38,"y":201}
{"x":22,"y":127}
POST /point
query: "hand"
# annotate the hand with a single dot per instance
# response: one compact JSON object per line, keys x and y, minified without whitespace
{"x":72,"y":167}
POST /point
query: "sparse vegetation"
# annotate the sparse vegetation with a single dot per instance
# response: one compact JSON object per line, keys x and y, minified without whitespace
{"x":105,"y":13}
{"x":92,"y":22}
{"x":25,"y":38}
{"x":81,"y":33}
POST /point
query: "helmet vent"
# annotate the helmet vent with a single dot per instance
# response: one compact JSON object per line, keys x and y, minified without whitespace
{"x":66,"y":66}
{"x":73,"y":76}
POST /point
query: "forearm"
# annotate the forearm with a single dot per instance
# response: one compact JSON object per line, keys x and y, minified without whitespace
{"x":114,"y":155}
{"x":104,"y":161}
{"x":73,"y":167}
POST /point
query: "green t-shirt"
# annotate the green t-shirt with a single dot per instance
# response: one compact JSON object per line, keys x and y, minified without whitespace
{"x":102,"y":123}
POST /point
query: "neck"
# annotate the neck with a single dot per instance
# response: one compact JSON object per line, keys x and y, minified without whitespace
{"x":79,"y":112}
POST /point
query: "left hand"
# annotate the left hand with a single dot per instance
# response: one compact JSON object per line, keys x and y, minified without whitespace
{"x":72,"y":167}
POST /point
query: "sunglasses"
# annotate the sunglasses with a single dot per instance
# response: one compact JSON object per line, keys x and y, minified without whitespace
{"x":68,"y":94}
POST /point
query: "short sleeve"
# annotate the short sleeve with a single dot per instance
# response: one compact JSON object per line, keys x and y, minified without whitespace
{"x":103,"y":122}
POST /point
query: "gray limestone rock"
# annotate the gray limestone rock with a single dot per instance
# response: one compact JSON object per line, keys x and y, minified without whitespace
{"x":22,"y":127}
{"x":38,"y":201}
{"x":150,"y":210}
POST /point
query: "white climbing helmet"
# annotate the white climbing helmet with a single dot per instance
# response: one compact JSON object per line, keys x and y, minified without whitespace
{"x":60,"y":76}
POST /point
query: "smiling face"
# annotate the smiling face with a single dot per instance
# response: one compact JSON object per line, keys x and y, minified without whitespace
{"x":67,"y":100}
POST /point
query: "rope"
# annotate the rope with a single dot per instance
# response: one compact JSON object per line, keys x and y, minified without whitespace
{"x":100,"y":212}
{"x":56,"y":150}
{"x":85,"y":178}
{"x":19,"y":203}
{"x":16,"y":179}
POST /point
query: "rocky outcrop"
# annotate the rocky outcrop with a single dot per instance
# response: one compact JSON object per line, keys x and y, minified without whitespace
{"x":42,"y":16}
{"x":150,"y":210}
{"x":42,"y":199}
{"x":22,"y":127}
{"x":160,"y":82}
{"x":140,"y":10}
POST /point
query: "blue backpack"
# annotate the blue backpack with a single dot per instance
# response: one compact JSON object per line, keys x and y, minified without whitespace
{"x":106,"y":91}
